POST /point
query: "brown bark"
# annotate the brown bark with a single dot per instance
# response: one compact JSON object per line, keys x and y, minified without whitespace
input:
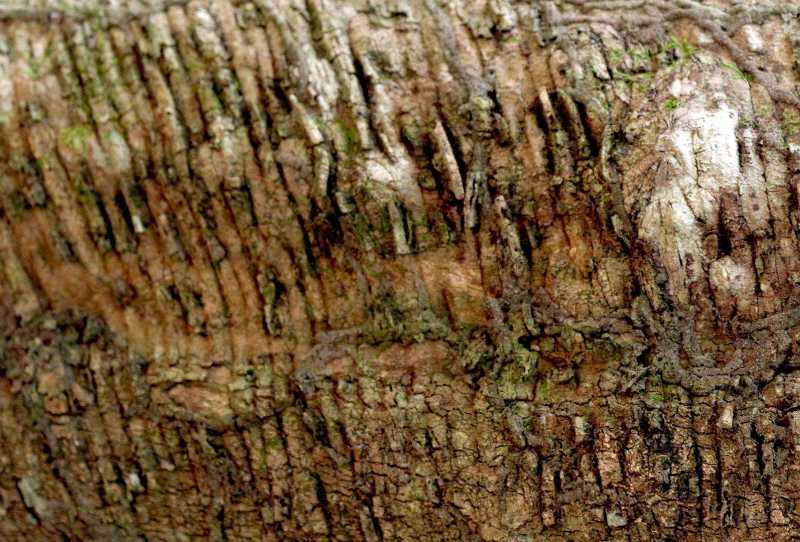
{"x":405,"y":270}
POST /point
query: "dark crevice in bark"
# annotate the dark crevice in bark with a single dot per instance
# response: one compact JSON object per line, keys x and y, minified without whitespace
{"x":122,"y":205}
{"x":759,"y":442}
{"x":594,"y":144}
{"x":29,"y":508}
{"x":322,"y":498}
{"x":79,"y":67}
{"x":566,"y":116}
{"x":364,"y":85}
{"x":376,"y":524}
{"x":220,"y":517}
{"x":279,"y":426}
{"x":408,"y":232}
{"x":109,"y":231}
{"x":175,"y":296}
{"x":543,"y":125}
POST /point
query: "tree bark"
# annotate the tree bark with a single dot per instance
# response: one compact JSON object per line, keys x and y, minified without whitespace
{"x":402,"y":270}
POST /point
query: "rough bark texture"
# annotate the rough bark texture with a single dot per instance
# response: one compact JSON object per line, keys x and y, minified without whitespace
{"x":399,"y":270}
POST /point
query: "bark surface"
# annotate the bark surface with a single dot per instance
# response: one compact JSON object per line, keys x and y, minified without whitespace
{"x":399,"y":270}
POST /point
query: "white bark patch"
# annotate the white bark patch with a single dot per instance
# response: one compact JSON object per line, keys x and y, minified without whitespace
{"x":138,"y":226}
{"x":732,"y":283}
{"x":726,"y":417}
{"x":725,"y":274}
{"x":719,"y":150}
{"x":392,"y":179}
{"x":752,"y":188}
{"x":699,"y":161}
{"x":754,"y":41}
{"x":133,"y":482}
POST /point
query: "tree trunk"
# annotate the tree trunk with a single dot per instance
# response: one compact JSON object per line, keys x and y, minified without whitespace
{"x":399,"y":270}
